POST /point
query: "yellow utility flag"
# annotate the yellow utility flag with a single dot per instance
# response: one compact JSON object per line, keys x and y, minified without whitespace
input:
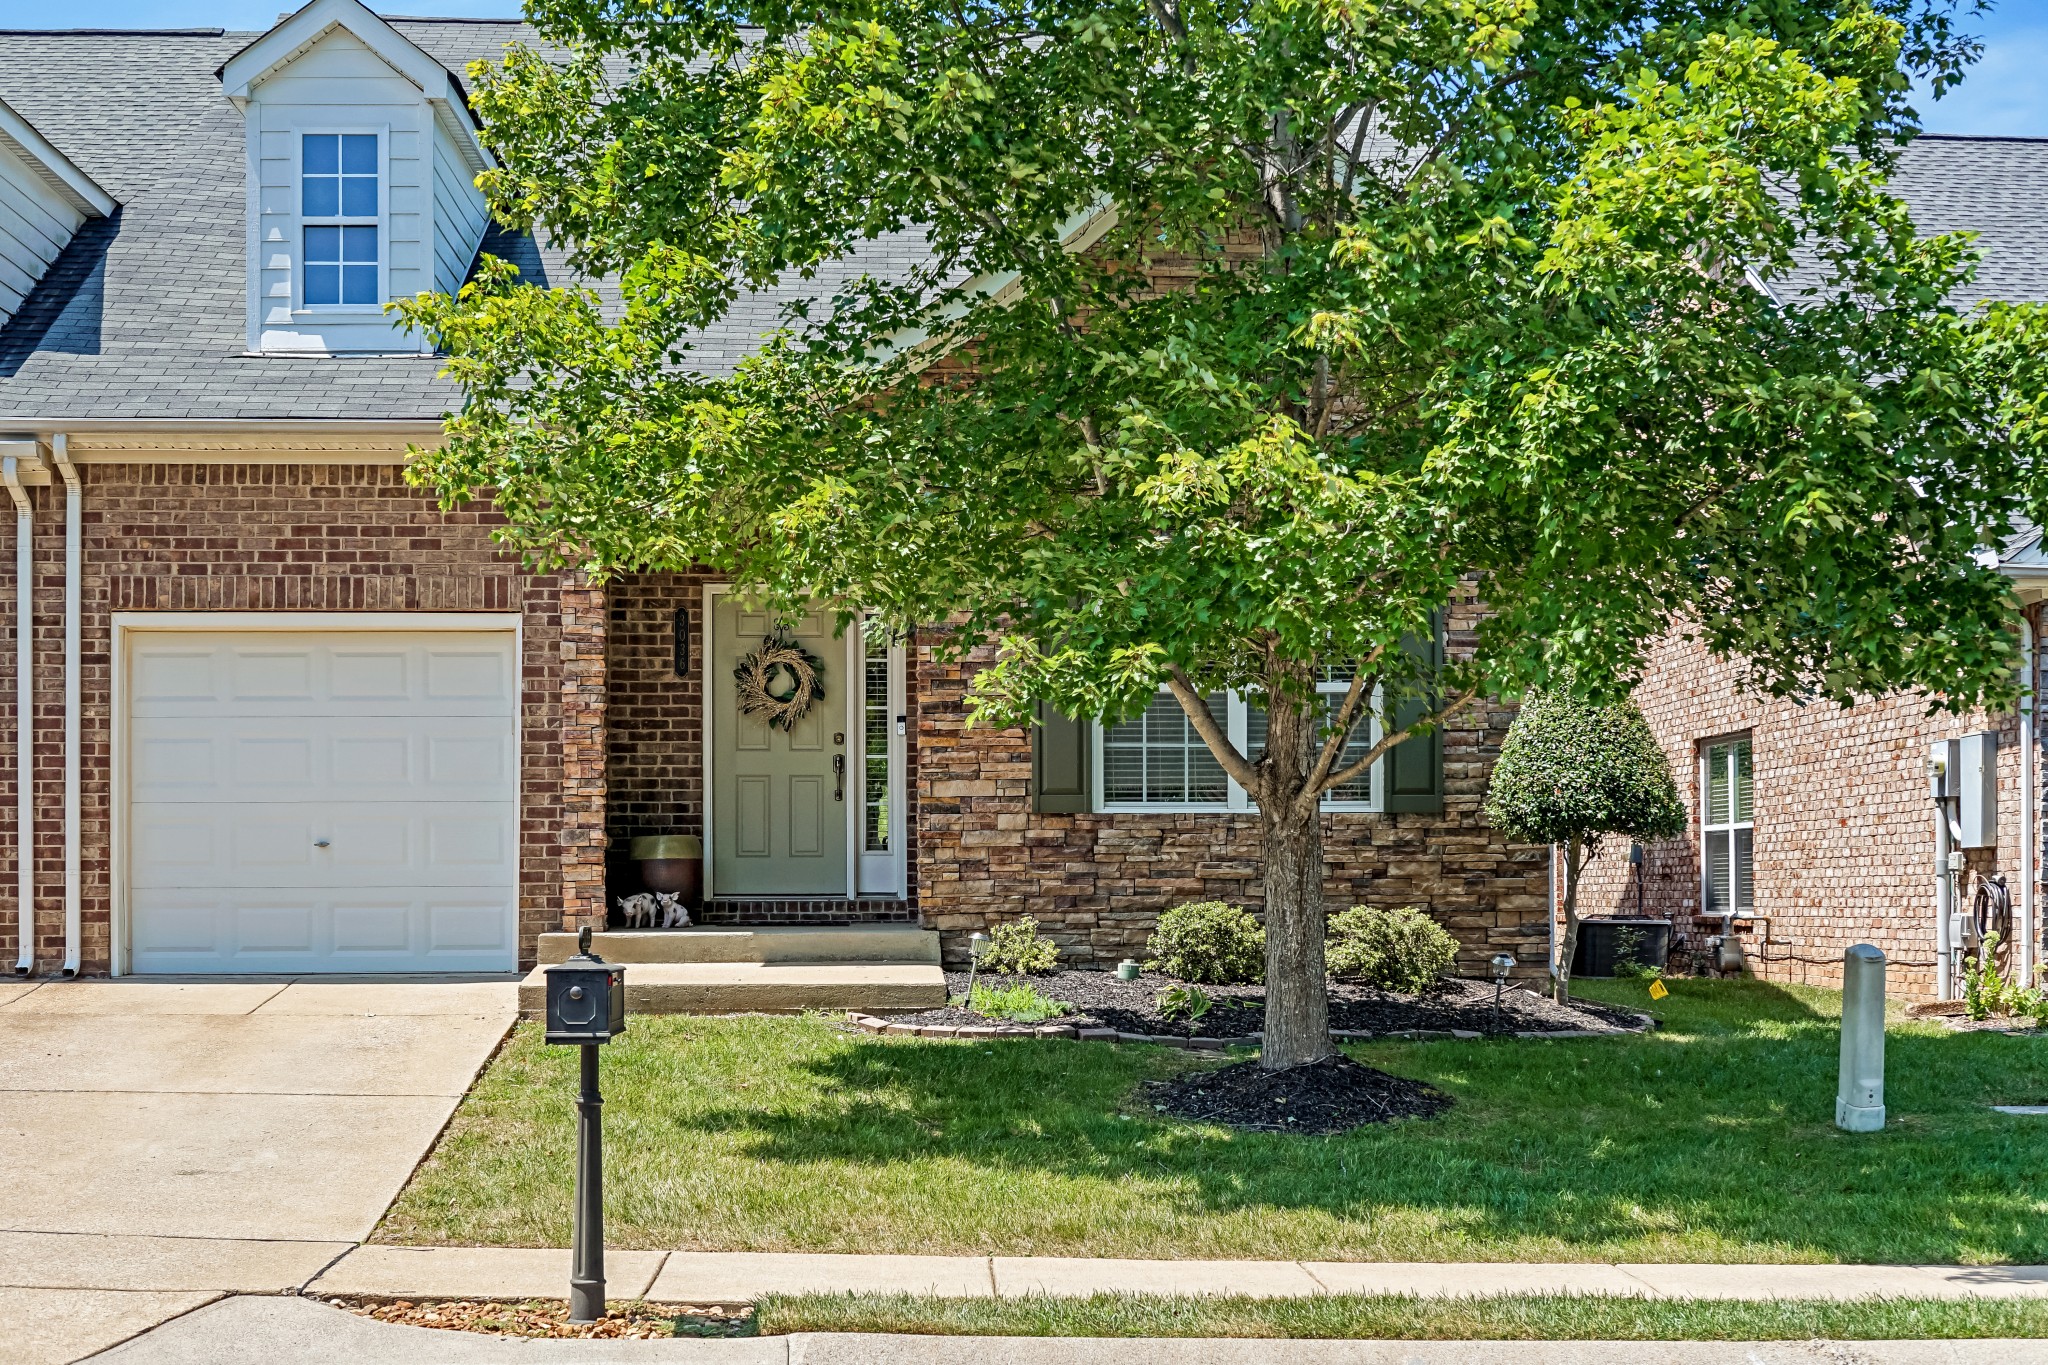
{"x":1657,"y":991}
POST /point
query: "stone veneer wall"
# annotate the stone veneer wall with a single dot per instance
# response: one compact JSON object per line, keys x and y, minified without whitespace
{"x":655,"y":748}
{"x":288,"y":537}
{"x":1844,"y":829}
{"x":1096,"y":883}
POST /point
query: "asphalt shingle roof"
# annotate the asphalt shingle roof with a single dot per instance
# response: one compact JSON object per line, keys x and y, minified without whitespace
{"x":143,"y":316}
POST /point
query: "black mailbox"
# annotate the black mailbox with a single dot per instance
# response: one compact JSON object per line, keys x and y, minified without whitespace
{"x":586,"y":998}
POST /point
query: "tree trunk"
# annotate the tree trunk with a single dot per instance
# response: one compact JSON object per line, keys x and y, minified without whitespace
{"x":1568,"y":946}
{"x":1297,"y":995}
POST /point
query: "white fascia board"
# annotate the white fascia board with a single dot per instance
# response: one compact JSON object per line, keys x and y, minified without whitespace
{"x":1081,"y":231}
{"x":65,"y":180}
{"x":300,"y":30}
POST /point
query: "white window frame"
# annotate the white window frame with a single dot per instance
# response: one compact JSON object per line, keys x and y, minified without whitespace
{"x":1710,"y":826}
{"x":880,"y":873}
{"x":1237,"y":726}
{"x":382,"y":222}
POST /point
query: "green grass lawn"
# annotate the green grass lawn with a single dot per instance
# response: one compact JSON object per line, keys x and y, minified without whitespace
{"x":1710,"y":1140}
{"x":1400,"y":1318}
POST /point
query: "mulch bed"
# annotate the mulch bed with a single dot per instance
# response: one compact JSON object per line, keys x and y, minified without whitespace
{"x":1100,"y":1000}
{"x":1329,"y":1096}
{"x":550,"y":1318}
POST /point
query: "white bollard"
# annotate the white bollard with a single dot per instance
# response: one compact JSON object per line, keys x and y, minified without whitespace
{"x":1859,"y":1097}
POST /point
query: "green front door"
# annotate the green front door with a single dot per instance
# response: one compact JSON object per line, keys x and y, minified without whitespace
{"x":778,"y":802}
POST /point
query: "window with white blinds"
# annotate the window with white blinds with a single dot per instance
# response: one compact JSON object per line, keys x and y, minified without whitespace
{"x":1727,"y":828}
{"x":1156,"y":761}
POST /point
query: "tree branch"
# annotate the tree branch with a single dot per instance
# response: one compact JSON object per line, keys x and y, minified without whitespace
{"x":1346,"y":718}
{"x":1387,"y":743}
{"x":1204,"y":720}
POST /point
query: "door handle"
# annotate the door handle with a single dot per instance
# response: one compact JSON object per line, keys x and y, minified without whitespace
{"x":320,"y":843}
{"x":839,"y":777}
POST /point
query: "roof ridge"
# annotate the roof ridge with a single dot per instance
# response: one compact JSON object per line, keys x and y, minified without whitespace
{"x":112,"y":32}
{"x":1980,"y":137}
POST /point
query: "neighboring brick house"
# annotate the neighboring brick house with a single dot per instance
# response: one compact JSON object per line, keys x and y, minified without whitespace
{"x":1815,"y":822}
{"x":281,"y":713}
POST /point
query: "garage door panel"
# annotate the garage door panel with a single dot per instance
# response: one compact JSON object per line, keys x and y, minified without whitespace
{"x":364,"y":674}
{"x":242,"y":844}
{"x":302,"y":802}
{"x":194,"y":758}
{"x":282,"y":930}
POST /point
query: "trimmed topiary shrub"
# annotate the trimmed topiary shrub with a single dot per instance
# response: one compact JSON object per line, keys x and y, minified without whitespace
{"x":1210,"y":943}
{"x":1572,"y":772}
{"x":1015,"y":948}
{"x":1395,"y":950}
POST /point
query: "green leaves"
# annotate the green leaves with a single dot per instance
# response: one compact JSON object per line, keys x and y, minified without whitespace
{"x":1572,"y":771}
{"x":1231,"y":342}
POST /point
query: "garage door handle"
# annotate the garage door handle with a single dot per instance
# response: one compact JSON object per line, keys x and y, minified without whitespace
{"x":319,"y":843}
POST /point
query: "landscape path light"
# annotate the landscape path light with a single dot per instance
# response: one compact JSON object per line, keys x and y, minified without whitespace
{"x":977,"y":944}
{"x":586,"y":1008}
{"x":1503,"y":963}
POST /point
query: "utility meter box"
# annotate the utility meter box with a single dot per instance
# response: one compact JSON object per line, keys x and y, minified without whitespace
{"x":1974,"y":780}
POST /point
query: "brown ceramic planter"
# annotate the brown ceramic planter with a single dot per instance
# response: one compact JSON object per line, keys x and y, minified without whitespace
{"x":672,"y":863}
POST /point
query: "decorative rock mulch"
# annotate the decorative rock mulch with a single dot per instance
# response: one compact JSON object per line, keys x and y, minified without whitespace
{"x":1329,"y":1096}
{"x":1109,"y":1010}
{"x":550,"y":1318}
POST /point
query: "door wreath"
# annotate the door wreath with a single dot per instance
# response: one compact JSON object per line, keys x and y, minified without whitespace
{"x":779,"y":682}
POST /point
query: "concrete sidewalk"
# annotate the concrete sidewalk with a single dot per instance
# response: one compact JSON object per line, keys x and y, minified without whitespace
{"x":289,"y":1331}
{"x":741,"y":1277}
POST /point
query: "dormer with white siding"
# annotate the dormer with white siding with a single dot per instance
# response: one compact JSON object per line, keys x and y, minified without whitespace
{"x":362,"y":161}
{"x":44,"y":200}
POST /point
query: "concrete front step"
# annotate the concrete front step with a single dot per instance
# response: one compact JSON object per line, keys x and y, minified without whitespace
{"x":882,"y":944}
{"x":764,"y":987}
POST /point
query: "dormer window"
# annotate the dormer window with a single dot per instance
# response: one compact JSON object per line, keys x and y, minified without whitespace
{"x":338,"y":212}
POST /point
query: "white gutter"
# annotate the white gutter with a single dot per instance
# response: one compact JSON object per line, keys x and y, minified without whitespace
{"x":2026,"y":950}
{"x":24,"y":716}
{"x":74,"y":559}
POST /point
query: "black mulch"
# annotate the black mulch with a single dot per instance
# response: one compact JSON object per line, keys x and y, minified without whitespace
{"x":1329,"y":1096}
{"x":1100,"y":1000}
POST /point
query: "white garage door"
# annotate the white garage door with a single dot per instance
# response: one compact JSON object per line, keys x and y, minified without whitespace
{"x":332,"y":802}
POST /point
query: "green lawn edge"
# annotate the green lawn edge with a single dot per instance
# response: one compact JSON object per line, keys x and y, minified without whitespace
{"x":1404,"y":1318}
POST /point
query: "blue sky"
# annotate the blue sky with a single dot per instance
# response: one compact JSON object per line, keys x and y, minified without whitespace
{"x":2006,"y":93}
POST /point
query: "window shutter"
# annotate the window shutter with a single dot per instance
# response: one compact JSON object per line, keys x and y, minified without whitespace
{"x":1415,"y":769}
{"x":1059,"y":764}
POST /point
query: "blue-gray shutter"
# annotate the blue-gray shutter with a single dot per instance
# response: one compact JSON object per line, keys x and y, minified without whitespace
{"x":1059,"y":764}
{"x":1415,"y":769}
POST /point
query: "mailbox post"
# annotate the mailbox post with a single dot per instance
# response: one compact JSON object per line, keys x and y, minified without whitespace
{"x":586,"y":1009}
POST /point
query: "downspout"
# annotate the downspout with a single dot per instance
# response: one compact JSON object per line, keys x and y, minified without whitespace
{"x":74,"y":593}
{"x":2026,"y":950}
{"x":24,"y":716}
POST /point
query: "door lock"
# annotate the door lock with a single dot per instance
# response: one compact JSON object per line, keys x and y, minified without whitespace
{"x":839,"y":777}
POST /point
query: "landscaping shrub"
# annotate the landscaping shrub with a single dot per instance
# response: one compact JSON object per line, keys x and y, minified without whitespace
{"x":1395,"y":950}
{"x":1209,"y":942}
{"x":1016,"y":949}
{"x":1021,"y":1003}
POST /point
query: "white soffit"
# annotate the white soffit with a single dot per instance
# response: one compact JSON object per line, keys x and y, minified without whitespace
{"x":65,"y":180}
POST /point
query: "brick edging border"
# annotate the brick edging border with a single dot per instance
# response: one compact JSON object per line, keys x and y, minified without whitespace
{"x":868,"y":1022}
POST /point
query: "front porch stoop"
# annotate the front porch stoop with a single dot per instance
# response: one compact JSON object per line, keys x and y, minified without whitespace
{"x":784,"y":969}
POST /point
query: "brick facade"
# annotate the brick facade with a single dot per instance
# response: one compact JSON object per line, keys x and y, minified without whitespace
{"x":1096,"y":882}
{"x":279,"y":537}
{"x":1844,"y":829}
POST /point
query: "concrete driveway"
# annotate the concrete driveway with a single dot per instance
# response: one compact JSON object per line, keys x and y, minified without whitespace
{"x":164,"y":1142}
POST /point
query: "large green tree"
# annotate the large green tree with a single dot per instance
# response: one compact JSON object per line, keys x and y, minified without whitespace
{"x":1252,"y":334}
